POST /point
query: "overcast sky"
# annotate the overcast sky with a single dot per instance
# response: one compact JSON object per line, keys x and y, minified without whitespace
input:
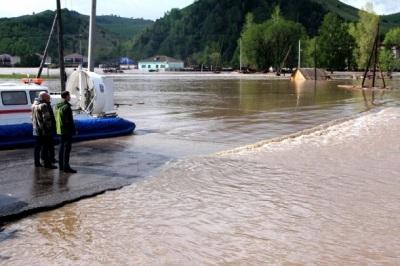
{"x":149,"y":9}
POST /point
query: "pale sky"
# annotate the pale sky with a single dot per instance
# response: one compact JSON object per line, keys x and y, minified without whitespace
{"x":149,"y":9}
{"x":380,"y":6}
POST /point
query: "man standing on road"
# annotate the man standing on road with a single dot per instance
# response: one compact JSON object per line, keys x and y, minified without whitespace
{"x":51,"y":151}
{"x":66,"y":129}
{"x":42,"y":124}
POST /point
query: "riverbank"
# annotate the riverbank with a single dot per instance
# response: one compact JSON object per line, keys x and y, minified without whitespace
{"x":10,"y":73}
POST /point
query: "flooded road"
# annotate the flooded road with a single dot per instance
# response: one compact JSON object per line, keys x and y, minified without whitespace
{"x":328,"y":197}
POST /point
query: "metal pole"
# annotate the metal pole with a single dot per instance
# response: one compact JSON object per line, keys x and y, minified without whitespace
{"x":92,"y":29}
{"x":315,"y":59}
{"x":299,"y":63}
{"x":60,"y":46}
{"x":240,"y":51}
{"x":47,"y":47}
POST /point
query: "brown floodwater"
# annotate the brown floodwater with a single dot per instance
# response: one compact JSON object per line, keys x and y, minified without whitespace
{"x":230,"y":196}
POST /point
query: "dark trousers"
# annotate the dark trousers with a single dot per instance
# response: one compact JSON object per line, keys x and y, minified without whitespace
{"x":42,"y":145}
{"x":65,"y":150}
{"x":49,"y":151}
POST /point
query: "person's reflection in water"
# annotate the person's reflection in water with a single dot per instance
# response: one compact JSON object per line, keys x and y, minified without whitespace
{"x":43,"y":182}
{"x":63,"y":182}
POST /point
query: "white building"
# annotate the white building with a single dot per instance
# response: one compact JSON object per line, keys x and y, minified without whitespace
{"x":9,"y":60}
{"x":396,"y":51}
{"x":75,"y":59}
{"x":160,"y":63}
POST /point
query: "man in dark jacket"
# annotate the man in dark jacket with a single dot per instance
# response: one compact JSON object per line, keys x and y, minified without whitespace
{"x":66,"y":129}
{"x":42,"y":129}
{"x":51,"y":150}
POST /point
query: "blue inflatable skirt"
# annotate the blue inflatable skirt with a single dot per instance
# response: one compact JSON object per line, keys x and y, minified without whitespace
{"x":18,"y":136}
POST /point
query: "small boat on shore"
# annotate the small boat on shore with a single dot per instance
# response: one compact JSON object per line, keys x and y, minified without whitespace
{"x":92,"y":99}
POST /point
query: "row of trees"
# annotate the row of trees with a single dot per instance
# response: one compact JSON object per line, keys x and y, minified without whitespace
{"x":338,"y":45}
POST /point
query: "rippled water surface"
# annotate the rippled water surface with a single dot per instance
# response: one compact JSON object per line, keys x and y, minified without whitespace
{"x":325,"y":197}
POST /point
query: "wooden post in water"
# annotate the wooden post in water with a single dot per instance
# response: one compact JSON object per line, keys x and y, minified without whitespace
{"x":383,"y":77}
{"x":92,"y":29}
{"x":60,"y":46}
{"x":375,"y":56}
{"x":369,"y":60}
{"x":47,"y":47}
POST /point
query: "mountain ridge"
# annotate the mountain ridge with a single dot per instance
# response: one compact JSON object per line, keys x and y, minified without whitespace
{"x":208,"y":26}
{"x":28,"y":34}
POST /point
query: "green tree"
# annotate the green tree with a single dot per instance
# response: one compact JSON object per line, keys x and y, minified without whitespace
{"x":215,"y":59}
{"x":364,"y":32}
{"x":308,"y":53}
{"x":392,"y":38}
{"x":30,"y":60}
{"x":266,"y":44}
{"x":334,"y":43}
{"x":387,"y":58}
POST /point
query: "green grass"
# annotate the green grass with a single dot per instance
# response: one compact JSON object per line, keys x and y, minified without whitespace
{"x":21,"y":76}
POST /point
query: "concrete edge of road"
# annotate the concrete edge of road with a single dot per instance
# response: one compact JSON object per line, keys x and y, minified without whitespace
{"x":12,"y":217}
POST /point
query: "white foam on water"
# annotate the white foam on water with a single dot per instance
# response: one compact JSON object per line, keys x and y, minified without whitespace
{"x":332,"y":133}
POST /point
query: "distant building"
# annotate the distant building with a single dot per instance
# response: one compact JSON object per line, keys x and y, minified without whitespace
{"x":126,"y":61}
{"x":160,"y":63}
{"x":309,"y":74}
{"x":9,"y":60}
{"x":75,"y":60}
{"x":48,"y":58}
{"x":396,"y":51}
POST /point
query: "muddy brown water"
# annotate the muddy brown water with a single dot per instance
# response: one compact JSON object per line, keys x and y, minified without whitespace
{"x":327,"y":197}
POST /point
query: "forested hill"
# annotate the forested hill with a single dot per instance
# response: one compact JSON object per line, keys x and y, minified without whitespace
{"x":125,"y":28}
{"x":28,"y":34}
{"x":209,"y":26}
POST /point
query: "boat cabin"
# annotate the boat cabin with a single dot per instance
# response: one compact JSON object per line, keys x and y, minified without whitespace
{"x":18,"y":98}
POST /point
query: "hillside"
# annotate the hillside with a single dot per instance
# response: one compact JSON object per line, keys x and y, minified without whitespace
{"x":28,"y":34}
{"x":125,"y":28}
{"x":215,"y":25}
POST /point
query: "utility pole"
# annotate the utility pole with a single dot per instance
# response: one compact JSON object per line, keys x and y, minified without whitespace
{"x":60,"y":46}
{"x":92,"y":29}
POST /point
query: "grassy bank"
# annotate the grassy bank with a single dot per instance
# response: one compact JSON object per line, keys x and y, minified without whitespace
{"x":21,"y":76}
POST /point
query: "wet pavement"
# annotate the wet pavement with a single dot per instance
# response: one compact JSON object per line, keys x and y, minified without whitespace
{"x":25,"y":188}
{"x":102,"y":165}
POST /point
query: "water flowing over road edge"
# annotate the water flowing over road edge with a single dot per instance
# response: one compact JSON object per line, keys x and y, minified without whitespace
{"x":326,"y":197}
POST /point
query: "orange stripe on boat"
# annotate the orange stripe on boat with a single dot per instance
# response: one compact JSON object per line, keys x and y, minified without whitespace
{"x":15,"y":111}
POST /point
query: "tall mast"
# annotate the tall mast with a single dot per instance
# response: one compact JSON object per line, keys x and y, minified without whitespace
{"x":42,"y":63}
{"x":92,"y":29}
{"x":60,"y":46}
